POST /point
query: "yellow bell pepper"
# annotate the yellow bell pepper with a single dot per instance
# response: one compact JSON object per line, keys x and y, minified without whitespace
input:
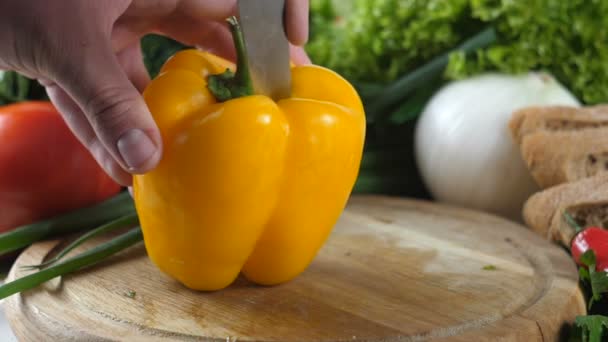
{"x":245,"y":184}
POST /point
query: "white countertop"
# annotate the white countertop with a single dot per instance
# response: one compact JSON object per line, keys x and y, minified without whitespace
{"x":6,"y":334}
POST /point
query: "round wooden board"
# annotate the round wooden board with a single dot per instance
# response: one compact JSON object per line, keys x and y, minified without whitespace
{"x":393,"y":269}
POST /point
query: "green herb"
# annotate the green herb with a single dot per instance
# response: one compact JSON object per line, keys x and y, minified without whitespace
{"x":130,"y":294}
{"x":379,"y":41}
{"x":88,"y":258}
{"x":325,"y":31}
{"x":591,"y":328}
{"x":125,"y":221}
{"x":572,"y":222}
{"x":565,"y":38}
{"x":597,"y":280}
{"x":489,"y":268}
{"x":74,"y":221}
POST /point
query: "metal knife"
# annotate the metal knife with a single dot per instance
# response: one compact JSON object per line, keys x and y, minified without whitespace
{"x":267,"y":46}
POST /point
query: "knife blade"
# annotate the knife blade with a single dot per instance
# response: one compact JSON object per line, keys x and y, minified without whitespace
{"x":267,"y":46}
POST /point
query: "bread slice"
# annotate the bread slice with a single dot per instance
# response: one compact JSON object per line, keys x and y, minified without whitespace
{"x":562,"y":144}
{"x":585,"y":200}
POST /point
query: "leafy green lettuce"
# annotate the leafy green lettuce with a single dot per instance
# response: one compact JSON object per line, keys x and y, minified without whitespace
{"x":590,"y":329}
{"x":566,"y":38}
{"x":380,"y":41}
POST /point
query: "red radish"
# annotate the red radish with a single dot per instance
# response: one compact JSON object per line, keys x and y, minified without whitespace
{"x":594,"y":238}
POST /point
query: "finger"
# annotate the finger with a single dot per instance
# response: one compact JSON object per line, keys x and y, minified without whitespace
{"x":149,"y":13}
{"x":77,"y":122}
{"x":296,"y":21}
{"x":212,"y":36}
{"x":94,"y":79}
{"x":131,"y":60}
{"x":183,"y":20}
{"x":204,"y":10}
{"x":299,"y":55}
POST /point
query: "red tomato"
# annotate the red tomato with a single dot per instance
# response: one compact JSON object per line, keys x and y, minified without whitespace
{"x":44,"y":169}
{"x":594,"y":238}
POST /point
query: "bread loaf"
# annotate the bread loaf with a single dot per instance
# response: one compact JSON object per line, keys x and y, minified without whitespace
{"x":562,"y":144}
{"x":585,"y":200}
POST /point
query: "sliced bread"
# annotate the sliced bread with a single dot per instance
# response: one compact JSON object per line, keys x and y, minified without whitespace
{"x":562,"y":144}
{"x":586,"y":200}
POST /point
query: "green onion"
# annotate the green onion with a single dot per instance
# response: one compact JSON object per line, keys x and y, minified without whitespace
{"x":411,"y":108}
{"x":73,"y":221}
{"x":572,"y":222}
{"x":122,"y":222}
{"x":368,"y":90}
{"x":90,"y":257}
{"x":432,"y":70}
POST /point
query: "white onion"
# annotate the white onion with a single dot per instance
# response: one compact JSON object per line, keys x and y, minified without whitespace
{"x":463,"y":148}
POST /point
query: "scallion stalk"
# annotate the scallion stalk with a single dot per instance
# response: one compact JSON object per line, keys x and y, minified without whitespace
{"x":123,"y":222}
{"x":406,"y":85}
{"x":88,"y":258}
{"x":74,"y":221}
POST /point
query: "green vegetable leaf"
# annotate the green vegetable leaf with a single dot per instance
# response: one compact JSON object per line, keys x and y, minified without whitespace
{"x":156,"y":50}
{"x":592,"y":327}
{"x":597,"y":280}
{"x":572,"y":222}
{"x":588,"y":258}
{"x":381,"y":40}
{"x":583,"y":274}
{"x":560,"y":37}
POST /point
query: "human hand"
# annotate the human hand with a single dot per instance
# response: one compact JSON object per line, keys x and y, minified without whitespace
{"x":87,"y":55}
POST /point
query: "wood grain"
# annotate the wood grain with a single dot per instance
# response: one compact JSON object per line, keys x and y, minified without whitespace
{"x":393,"y":269}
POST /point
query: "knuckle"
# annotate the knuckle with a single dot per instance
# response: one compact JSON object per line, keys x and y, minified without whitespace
{"x":109,"y":109}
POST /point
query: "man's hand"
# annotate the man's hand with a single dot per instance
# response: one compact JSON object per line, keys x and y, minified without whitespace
{"x":87,"y":55}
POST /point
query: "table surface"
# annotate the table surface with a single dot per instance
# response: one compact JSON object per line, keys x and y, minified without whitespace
{"x":6,"y":334}
{"x":388,"y":261}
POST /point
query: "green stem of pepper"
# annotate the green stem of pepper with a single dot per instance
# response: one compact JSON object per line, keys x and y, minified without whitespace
{"x":229,"y":85}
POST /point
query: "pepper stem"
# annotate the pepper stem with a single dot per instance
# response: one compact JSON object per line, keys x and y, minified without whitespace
{"x":229,"y":85}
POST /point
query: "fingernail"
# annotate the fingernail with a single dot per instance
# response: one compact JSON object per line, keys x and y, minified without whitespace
{"x":136,"y":149}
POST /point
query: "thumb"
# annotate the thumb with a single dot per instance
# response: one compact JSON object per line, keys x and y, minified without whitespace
{"x":115,"y":110}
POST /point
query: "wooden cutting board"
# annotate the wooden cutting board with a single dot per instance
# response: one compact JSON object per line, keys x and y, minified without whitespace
{"x":393,"y":269}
